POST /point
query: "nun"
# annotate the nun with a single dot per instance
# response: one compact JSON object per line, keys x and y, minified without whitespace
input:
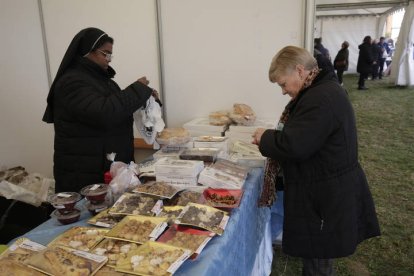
{"x":92,"y":115}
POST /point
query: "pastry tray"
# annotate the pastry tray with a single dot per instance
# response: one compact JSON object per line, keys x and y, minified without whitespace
{"x":138,"y":229}
{"x":79,"y":238}
{"x":153,"y":258}
{"x":204,"y":217}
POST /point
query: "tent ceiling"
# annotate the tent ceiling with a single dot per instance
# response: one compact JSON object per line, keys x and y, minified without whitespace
{"x":357,"y":8}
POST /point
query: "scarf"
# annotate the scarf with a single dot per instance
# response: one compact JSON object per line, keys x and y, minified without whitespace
{"x":272,"y":167}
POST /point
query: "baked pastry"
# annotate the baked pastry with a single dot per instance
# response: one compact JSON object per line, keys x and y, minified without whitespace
{"x":243,"y":114}
{"x":62,"y":261}
{"x":219,"y":118}
{"x":173,"y":136}
{"x":13,"y":268}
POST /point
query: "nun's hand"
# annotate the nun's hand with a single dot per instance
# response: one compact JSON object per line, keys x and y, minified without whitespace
{"x":143,"y":80}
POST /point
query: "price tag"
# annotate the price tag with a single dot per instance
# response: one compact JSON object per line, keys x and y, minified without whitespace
{"x":90,"y":256}
{"x":102,"y":224}
{"x":157,"y":207}
{"x":175,"y":265}
{"x":64,"y":195}
{"x":33,"y":246}
{"x":158,"y":230}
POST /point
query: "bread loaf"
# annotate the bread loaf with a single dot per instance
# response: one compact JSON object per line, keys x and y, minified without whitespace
{"x":243,"y":114}
{"x":219,"y":118}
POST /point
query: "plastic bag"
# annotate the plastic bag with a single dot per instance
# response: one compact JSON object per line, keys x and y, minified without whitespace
{"x":148,"y":121}
{"x":116,"y":165}
{"x":125,"y":180}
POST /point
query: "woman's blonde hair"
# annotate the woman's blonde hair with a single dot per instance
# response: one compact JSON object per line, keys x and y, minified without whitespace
{"x":285,"y":61}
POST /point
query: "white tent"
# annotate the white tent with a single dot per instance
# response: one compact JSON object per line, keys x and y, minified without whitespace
{"x":402,"y":69}
{"x":339,"y":20}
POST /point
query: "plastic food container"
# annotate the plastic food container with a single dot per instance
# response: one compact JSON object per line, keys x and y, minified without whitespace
{"x":67,"y":218}
{"x":95,"y":193}
{"x":64,"y":202}
{"x":94,"y":209}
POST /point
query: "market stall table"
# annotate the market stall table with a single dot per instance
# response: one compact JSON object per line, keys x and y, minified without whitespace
{"x":245,"y":248}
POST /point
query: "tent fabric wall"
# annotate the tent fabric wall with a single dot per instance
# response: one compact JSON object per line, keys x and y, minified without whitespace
{"x":334,"y":30}
{"x":402,"y":67}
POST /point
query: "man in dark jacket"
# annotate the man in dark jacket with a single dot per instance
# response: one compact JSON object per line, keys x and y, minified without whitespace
{"x":328,"y":207}
{"x":92,"y":116}
{"x":365,"y":59}
{"x":376,"y":56}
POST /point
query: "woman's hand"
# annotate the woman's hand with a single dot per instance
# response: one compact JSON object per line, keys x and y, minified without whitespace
{"x":257,"y":135}
{"x":155,"y":94}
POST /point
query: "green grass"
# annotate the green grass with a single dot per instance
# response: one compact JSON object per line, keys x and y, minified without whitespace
{"x":385,"y":122}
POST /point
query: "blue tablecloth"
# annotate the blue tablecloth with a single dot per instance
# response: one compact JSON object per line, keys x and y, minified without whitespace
{"x":243,"y":249}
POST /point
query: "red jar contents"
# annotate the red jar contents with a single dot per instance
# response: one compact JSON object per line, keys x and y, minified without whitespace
{"x":95,"y":193}
{"x":70,"y":217}
{"x":64,"y":202}
{"x":107,"y":177}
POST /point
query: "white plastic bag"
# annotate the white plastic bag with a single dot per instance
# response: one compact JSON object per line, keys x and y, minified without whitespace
{"x":124,"y":180}
{"x":149,"y":121}
{"x":116,"y":165}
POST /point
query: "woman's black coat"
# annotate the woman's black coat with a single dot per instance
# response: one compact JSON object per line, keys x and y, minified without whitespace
{"x":327,"y":203}
{"x":365,"y":58}
{"x":92,"y":117}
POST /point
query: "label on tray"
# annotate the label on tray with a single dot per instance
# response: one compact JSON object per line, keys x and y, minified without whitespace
{"x":158,"y":230}
{"x":102,"y":224}
{"x":175,"y":265}
{"x":27,"y":244}
{"x":223,"y":222}
{"x":202,"y":245}
{"x":90,"y":256}
{"x":157,"y":207}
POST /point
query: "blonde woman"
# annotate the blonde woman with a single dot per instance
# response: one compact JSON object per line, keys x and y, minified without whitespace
{"x":328,"y":206}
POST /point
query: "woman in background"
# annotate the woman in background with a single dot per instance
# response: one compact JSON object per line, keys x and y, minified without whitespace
{"x":341,"y":61}
{"x":365,"y":60}
{"x":328,"y":207}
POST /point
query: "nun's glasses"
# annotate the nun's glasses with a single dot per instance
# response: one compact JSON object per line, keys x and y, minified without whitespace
{"x":108,"y":56}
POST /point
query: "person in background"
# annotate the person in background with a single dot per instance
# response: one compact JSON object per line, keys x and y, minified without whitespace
{"x":376,"y":56}
{"x":341,"y":61}
{"x":385,"y":50}
{"x":365,"y":59}
{"x":319,"y":46}
{"x":92,"y":116}
{"x":328,"y":207}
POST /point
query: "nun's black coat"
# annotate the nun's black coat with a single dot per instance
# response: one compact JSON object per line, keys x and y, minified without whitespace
{"x":92,"y":117}
{"x":328,"y":208}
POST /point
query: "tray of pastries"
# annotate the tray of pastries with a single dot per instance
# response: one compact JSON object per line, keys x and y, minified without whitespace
{"x":223,"y":198}
{"x":80,"y":238}
{"x":114,"y":249}
{"x":134,"y":204}
{"x":158,"y":189}
{"x":21,"y":250}
{"x":105,"y":219}
{"x":186,"y":237}
{"x":153,"y":258}
{"x":66,"y":261}
{"x":204,"y":217}
{"x":138,"y":229}
{"x":194,"y":195}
